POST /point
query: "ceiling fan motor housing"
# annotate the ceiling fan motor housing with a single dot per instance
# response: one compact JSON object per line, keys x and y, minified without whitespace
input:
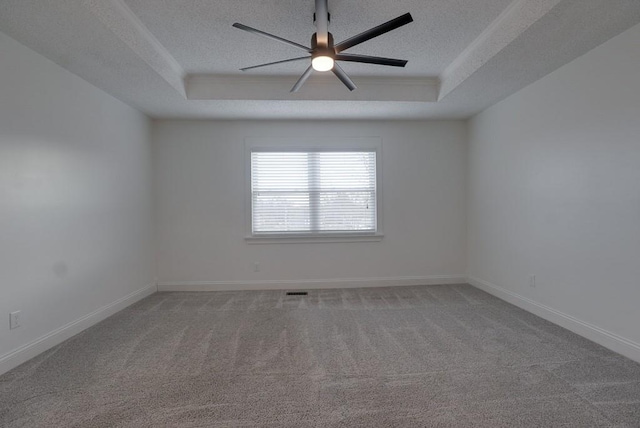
{"x":320,"y":51}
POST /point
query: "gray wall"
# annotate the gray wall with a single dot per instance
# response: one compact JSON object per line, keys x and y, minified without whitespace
{"x":554,"y":191}
{"x":75,"y":202}
{"x":200,"y":205}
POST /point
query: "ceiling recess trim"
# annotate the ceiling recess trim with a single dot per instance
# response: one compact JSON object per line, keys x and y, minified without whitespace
{"x":317,"y":88}
{"x":511,"y":23}
{"x":121,"y":20}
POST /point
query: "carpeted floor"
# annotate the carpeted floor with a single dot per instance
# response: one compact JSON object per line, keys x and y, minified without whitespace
{"x":432,"y":356}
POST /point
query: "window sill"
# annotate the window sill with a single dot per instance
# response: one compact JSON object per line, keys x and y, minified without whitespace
{"x":313,"y":239}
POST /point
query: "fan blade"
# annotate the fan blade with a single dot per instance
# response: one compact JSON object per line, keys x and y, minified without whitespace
{"x":339,"y":72}
{"x":366,"y":59}
{"x":274,"y":63}
{"x":270,"y":36}
{"x":374,"y":32}
{"x":322,"y":23}
{"x":302,"y":79}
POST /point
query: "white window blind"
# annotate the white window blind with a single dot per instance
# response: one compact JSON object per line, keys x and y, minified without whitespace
{"x":313,"y":192}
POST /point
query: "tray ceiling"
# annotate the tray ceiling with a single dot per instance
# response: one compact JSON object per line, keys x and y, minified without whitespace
{"x":180,"y":58}
{"x":200,"y":37}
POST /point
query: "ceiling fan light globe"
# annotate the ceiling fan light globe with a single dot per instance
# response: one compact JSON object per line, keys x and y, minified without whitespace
{"x":322,"y":63}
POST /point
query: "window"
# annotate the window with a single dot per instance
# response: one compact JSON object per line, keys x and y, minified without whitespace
{"x":313,"y":192}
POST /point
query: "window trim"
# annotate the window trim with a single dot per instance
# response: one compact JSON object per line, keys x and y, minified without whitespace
{"x":336,"y":144}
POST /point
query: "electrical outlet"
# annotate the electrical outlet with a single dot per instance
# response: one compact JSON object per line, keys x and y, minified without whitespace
{"x":532,"y":281}
{"x":256,"y":267}
{"x":15,"y":320}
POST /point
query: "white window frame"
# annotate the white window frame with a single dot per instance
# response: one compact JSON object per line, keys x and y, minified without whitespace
{"x":329,"y":144}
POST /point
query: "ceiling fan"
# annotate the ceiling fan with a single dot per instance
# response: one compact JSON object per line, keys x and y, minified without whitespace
{"x":324,"y":53}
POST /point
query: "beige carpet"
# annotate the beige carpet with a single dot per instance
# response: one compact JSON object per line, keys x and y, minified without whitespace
{"x":433,"y":356}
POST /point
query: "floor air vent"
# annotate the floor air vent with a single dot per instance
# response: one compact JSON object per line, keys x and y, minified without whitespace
{"x":296,"y":293}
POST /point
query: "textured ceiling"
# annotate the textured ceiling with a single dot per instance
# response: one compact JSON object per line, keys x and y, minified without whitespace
{"x":140,"y":50}
{"x":199,"y":35}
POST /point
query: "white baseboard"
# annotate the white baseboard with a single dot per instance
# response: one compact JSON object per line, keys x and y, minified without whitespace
{"x":609,"y":340}
{"x":310,"y":283}
{"x":24,"y":353}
